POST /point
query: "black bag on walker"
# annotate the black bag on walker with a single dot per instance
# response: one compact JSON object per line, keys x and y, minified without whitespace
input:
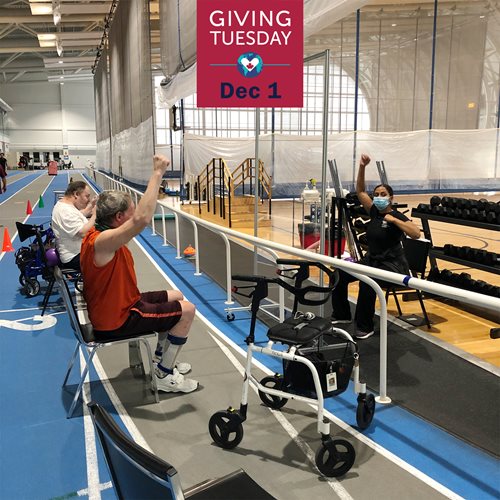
{"x":333,"y":357}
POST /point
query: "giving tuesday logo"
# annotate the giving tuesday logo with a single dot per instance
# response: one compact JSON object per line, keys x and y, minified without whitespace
{"x":250,"y":64}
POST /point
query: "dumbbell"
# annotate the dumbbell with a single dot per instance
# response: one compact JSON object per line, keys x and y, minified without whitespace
{"x":491,"y":259}
{"x":462,"y":252}
{"x":465,"y":281}
{"x":449,"y":249}
{"x":481,"y":287}
{"x":435,"y":201}
{"x":448,"y":201}
{"x":425,"y":208}
{"x":465,"y":214}
{"x":474,"y":214}
{"x":446,"y":275}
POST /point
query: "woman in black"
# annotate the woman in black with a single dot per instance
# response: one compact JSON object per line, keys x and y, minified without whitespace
{"x":384,"y":233}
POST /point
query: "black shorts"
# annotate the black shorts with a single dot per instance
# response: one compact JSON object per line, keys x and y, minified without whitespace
{"x":152,"y":313}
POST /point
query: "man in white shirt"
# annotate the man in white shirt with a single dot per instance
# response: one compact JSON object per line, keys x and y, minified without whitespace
{"x":72,"y":217}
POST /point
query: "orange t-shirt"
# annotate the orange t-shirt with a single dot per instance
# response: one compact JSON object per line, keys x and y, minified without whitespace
{"x":110,"y":291}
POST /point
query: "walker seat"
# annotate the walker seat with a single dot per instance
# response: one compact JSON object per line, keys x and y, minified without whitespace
{"x":299,"y":330}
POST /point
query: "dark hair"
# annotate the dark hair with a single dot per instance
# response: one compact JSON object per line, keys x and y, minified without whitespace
{"x":75,"y":187}
{"x":389,"y":189}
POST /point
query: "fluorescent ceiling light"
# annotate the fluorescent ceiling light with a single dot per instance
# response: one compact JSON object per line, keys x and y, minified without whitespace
{"x":41,"y":9}
{"x":45,"y":37}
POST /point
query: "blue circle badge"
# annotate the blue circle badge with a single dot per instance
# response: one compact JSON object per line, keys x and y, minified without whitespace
{"x":250,"y":64}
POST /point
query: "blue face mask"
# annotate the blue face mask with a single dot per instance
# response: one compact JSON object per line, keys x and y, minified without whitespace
{"x":381,"y":202}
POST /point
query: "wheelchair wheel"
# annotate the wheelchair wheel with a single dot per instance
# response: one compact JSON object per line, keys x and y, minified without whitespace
{"x":365,"y":410}
{"x":226,"y":429}
{"x":274,"y":402}
{"x":31,"y":287}
{"x":335,"y":457}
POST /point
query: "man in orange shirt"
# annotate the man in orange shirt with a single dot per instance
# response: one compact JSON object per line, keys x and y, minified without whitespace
{"x":114,"y":303}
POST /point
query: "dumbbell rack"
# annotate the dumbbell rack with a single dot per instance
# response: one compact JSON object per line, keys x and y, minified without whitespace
{"x":436,"y":253}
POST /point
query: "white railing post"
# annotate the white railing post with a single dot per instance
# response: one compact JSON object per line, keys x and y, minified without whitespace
{"x":197,"y":251}
{"x":163,"y":226}
{"x":177,"y":236}
{"x":229,"y":285}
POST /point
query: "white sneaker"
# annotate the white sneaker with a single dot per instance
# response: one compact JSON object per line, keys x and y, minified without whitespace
{"x":182,"y":368}
{"x":176,"y":383}
{"x":363,"y":335}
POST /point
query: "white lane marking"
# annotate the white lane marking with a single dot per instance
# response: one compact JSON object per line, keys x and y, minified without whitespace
{"x":44,"y":322}
{"x":94,"y":492}
{"x":102,"y":487}
{"x":292,"y":432}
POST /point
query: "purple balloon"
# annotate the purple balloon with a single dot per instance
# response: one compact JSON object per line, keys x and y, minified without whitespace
{"x":52,"y":257}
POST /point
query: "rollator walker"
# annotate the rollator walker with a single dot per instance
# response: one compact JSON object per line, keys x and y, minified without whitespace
{"x":317,"y":364}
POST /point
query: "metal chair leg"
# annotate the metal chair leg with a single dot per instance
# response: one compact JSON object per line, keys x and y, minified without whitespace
{"x":47,"y":295}
{"x":71,"y":363}
{"x":424,"y":310}
{"x":151,"y":369}
{"x":82,"y":381}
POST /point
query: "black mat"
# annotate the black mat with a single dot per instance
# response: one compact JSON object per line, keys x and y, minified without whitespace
{"x":437,"y":385}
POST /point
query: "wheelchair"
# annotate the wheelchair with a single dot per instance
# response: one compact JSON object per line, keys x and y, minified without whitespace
{"x":317,"y":364}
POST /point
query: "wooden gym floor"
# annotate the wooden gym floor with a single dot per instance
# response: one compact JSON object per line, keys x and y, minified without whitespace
{"x":454,"y":323}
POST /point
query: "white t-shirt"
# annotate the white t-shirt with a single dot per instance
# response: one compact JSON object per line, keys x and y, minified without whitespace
{"x":67,"y":221}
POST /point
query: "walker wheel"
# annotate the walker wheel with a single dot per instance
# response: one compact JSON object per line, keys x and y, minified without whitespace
{"x":335,"y":457}
{"x":365,"y":410}
{"x":230,"y":317}
{"x":274,"y":402}
{"x":226,"y":429}
{"x":31,"y":287}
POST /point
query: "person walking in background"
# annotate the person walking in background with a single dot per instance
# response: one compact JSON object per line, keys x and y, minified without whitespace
{"x":3,"y":172}
{"x":385,"y":231}
{"x":114,"y":302}
{"x":72,"y":217}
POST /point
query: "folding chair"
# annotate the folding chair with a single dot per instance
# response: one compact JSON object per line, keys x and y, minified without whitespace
{"x":417,"y":252}
{"x":85,"y":341}
{"x":136,"y":473}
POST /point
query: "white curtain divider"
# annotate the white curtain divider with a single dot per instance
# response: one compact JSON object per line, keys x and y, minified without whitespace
{"x":103,"y":155}
{"x":132,"y":149}
{"x":460,"y":159}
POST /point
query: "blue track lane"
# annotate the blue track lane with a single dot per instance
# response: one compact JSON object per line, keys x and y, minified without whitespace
{"x":43,"y":453}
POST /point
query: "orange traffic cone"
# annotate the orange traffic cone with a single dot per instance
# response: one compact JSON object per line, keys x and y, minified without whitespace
{"x":189,"y":251}
{"x":7,"y":244}
{"x":29,"y":210}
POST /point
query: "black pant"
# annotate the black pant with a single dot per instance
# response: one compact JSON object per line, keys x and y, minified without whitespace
{"x":74,"y":263}
{"x":365,"y":309}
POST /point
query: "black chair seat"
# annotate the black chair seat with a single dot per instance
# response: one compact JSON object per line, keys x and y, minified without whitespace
{"x":299,"y":331}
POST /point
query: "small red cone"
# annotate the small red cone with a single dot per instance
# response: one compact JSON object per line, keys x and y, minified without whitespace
{"x":7,"y":244}
{"x":29,"y":210}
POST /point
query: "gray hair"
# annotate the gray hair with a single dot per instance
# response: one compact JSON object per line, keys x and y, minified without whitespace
{"x":109,"y":203}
